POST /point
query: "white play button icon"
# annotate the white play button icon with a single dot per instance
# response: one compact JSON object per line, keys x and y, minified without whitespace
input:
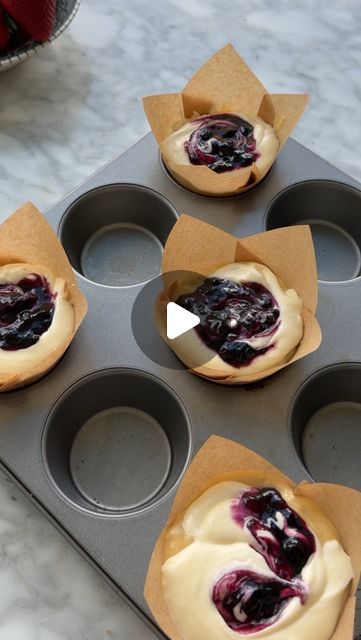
{"x":179,"y":320}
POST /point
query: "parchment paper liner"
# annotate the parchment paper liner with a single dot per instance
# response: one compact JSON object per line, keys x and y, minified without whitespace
{"x":197,"y":247}
{"x":222,"y":459}
{"x":26,"y":236}
{"x":224,"y":84}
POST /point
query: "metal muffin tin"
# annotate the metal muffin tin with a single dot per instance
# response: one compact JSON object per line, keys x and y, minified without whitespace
{"x":101,"y":443}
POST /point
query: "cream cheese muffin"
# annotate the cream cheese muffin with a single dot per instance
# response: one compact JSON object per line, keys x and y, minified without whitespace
{"x":248,"y":322}
{"x":223,"y":142}
{"x":254,"y":561}
{"x":36,"y":317}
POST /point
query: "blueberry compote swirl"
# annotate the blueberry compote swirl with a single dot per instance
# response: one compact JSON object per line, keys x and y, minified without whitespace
{"x":223,"y":142}
{"x":250,"y":602}
{"x":26,"y":312}
{"x":231,"y":314}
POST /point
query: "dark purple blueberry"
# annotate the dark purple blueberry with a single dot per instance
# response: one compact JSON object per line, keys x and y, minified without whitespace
{"x":237,"y":351}
{"x":249,"y":602}
{"x":288,"y":544}
{"x":205,"y":134}
{"x":26,"y":312}
{"x":222,"y":142}
{"x":230,"y":314}
{"x":296,"y":551}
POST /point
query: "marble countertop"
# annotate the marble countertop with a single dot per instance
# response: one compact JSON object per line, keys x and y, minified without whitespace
{"x":69,"y":110}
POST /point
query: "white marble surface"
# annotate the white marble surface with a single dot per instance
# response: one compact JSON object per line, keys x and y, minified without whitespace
{"x":73,"y":107}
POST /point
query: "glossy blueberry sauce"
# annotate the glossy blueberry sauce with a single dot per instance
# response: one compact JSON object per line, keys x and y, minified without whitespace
{"x":230,"y":314}
{"x":223,"y":142}
{"x":248,"y":601}
{"x":288,"y":542}
{"x":26,"y":312}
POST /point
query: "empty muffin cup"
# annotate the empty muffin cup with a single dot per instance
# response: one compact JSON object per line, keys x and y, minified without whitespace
{"x":114,"y":235}
{"x":116,"y":442}
{"x":333,"y":211}
{"x":325,"y":424}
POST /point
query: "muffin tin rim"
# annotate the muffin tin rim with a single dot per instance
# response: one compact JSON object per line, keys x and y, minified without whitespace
{"x":352,"y":364}
{"x":140,"y":186}
{"x":313,"y":181}
{"x":143,"y":508}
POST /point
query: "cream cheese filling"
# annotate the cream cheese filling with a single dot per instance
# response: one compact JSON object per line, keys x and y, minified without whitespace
{"x":218,"y":546}
{"x":267,"y":143}
{"x":191,"y":349}
{"x":60,"y":330}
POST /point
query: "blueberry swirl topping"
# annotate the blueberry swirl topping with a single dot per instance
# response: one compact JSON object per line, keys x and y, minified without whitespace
{"x":248,"y":601}
{"x":230,"y":315}
{"x":26,"y":312}
{"x":223,"y":142}
{"x":280,"y":535}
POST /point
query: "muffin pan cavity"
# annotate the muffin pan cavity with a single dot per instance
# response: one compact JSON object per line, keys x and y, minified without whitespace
{"x":325,"y":423}
{"x":116,"y":442}
{"x":333,"y":210}
{"x":114,"y":235}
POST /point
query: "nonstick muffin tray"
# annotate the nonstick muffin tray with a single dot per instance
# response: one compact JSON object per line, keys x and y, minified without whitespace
{"x":101,"y":442}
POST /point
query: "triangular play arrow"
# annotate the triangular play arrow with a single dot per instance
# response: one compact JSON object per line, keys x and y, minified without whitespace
{"x":179,"y":320}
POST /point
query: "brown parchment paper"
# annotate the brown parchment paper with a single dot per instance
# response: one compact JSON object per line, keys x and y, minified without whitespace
{"x":221,"y":459}
{"x":26,"y":236}
{"x":223,"y":84}
{"x":197,"y":247}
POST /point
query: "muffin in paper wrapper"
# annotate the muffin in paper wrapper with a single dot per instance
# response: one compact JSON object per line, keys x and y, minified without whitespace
{"x":27,"y":237}
{"x":195,"y":247}
{"x":224,"y":84}
{"x":220,"y":459}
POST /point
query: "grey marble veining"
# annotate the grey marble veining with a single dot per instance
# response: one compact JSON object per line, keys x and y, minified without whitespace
{"x":77,"y":103}
{"x":74,"y":106}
